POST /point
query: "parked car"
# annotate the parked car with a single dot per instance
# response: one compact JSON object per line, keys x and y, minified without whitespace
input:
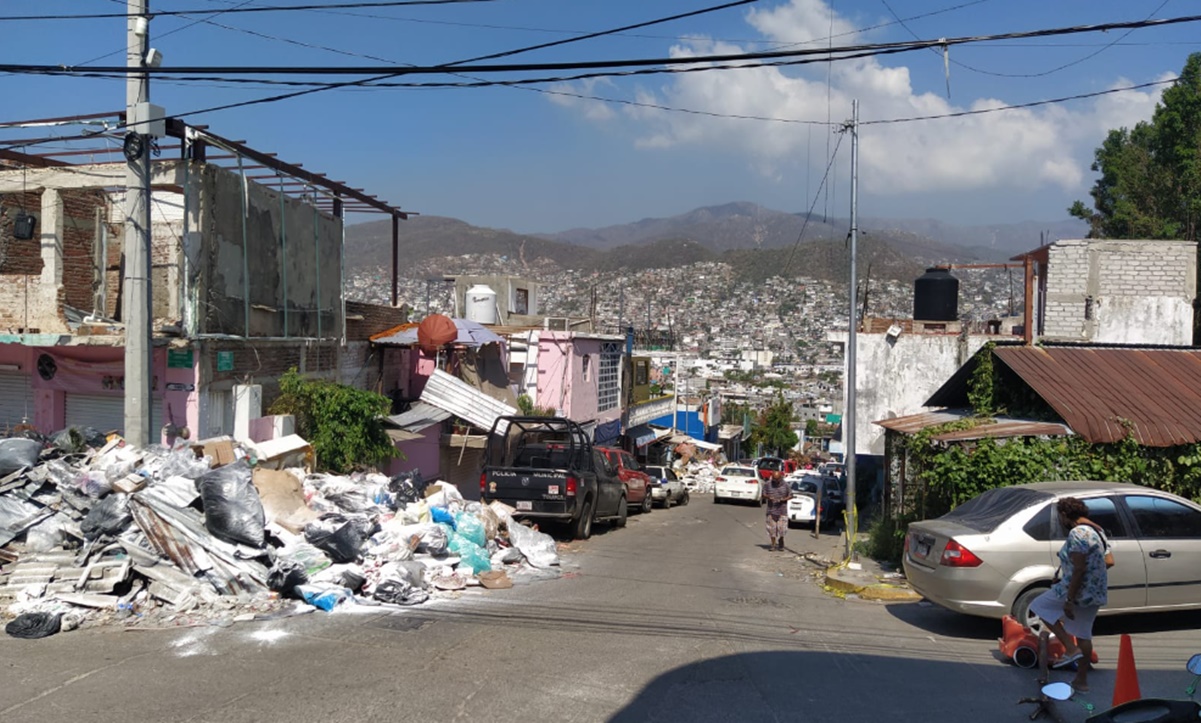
{"x":738,"y":483}
{"x":666,"y":488}
{"x":546,"y":468}
{"x":806,"y":491}
{"x":992,"y":555}
{"x":638,"y":483}
{"x":767,"y":465}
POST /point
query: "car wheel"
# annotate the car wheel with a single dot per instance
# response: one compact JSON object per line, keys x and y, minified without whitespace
{"x":667,"y":501}
{"x":582,"y":528}
{"x":684,"y":498}
{"x":647,"y":501}
{"x":623,"y":513}
{"x":1021,"y":608}
{"x":716,"y":499}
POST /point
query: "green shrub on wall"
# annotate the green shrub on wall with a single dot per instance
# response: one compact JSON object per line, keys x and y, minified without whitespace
{"x":341,"y":423}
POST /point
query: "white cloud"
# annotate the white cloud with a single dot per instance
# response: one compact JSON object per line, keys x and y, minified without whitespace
{"x":576,"y":96}
{"x":1024,"y":149}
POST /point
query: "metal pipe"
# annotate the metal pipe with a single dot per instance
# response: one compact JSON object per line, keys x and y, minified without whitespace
{"x":283,"y":236}
{"x":852,"y":339}
{"x":245,"y":253}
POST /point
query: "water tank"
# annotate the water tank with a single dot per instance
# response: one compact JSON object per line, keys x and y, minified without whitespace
{"x":480,"y":305}
{"x":936,"y":296}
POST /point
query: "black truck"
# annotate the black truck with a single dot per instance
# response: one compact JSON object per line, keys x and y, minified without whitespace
{"x":546,"y":469}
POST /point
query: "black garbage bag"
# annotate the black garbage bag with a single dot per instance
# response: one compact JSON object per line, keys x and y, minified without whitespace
{"x":18,"y":453}
{"x":285,"y":575}
{"x":232,"y":509}
{"x":407,"y":487}
{"x":110,"y":516}
{"x":35,"y":625}
{"x":336,"y":535}
{"x":74,"y":440}
{"x":399,"y":593}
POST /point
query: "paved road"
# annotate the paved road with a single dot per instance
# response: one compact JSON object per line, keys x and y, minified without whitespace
{"x":683,"y":616}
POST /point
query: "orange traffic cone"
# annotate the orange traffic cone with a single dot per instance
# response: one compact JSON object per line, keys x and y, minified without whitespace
{"x":1125,"y":688}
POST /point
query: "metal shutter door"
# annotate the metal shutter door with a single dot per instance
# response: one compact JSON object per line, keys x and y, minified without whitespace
{"x":16,"y":399}
{"x":106,"y":413}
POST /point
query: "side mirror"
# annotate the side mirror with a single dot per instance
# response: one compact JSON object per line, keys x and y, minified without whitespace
{"x":1058,"y":691}
{"x":1194,"y":664}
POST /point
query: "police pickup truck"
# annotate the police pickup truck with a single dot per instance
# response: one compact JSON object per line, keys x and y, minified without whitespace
{"x":547,"y":469}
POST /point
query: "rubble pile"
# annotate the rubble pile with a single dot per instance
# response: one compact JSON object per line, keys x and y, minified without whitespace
{"x":699,"y":476}
{"x":96,"y":531}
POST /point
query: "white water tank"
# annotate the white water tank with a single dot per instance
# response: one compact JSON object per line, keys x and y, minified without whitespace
{"x":480,"y":305}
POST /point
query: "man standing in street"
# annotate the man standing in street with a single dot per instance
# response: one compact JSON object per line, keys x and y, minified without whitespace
{"x":777,"y":494}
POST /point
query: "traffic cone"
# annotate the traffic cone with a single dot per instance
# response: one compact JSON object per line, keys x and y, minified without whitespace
{"x":1125,"y":688}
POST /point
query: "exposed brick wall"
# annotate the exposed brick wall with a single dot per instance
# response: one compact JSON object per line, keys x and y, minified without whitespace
{"x":375,"y":319}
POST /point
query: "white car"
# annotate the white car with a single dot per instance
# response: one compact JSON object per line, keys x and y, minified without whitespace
{"x":736,"y":482}
{"x":666,"y":487}
{"x":802,"y":508}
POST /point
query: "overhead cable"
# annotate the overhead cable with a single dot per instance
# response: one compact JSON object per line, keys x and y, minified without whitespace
{"x":253,"y":9}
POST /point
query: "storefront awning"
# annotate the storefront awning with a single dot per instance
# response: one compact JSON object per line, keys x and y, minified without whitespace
{"x":644,"y":434}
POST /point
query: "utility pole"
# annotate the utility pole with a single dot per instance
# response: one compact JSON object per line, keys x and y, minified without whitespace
{"x":138,"y":375}
{"x":848,"y":418}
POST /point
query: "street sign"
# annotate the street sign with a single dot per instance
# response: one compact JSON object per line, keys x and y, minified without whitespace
{"x":180,"y":359}
{"x":225,"y":361}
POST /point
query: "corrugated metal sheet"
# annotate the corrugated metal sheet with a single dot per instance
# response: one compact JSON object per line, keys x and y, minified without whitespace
{"x":1100,"y":392}
{"x":999,"y":427}
{"x":463,"y":400}
{"x":420,"y":416}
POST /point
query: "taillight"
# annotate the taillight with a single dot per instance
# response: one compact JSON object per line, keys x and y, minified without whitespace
{"x":483,"y":482}
{"x":720,"y":479}
{"x":956,"y":555}
{"x":571,"y":486}
{"x":753,"y":481}
{"x":905,"y":545}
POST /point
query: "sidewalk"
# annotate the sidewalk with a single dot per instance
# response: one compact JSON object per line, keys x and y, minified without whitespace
{"x":863,"y":577}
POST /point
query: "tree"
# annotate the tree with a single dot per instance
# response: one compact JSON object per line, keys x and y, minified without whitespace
{"x":811,"y":428}
{"x":342,"y":423}
{"x":774,"y":428}
{"x":1150,"y":183}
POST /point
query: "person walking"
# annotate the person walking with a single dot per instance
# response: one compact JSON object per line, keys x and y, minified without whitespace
{"x":1069,"y":608}
{"x":777,"y":494}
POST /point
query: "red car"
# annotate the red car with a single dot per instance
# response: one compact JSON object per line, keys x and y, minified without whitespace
{"x":638,"y":483}
{"x":767,"y":465}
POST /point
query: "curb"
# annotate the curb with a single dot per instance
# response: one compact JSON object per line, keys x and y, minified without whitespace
{"x":863,"y":584}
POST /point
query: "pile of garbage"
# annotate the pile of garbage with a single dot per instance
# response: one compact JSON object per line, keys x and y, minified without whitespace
{"x":699,"y":476}
{"x":96,"y":531}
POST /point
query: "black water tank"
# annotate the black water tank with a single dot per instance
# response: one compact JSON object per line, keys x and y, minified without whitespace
{"x":936,"y":296}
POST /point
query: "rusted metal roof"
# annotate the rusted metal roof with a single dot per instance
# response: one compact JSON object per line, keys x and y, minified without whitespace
{"x":1102,"y":393}
{"x":995,"y":428}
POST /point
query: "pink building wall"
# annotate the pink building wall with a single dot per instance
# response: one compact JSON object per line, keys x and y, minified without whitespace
{"x":96,"y":370}
{"x":562,"y":382}
{"x":420,"y":454}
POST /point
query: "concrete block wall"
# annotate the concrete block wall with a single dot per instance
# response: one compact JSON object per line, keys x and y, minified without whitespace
{"x":1133,"y":292}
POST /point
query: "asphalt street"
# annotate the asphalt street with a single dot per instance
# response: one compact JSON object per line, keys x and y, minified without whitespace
{"x":682,"y":616}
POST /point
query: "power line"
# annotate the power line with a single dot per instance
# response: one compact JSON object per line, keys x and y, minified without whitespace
{"x":1044,"y":73}
{"x":812,"y":206}
{"x":255,"y":9}
{"x":862,"y":50}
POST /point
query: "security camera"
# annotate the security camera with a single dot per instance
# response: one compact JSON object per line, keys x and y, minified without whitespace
{"x":153,"y":58}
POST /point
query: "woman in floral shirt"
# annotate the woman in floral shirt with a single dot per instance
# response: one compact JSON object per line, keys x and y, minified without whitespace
{"x":1069,"y":608}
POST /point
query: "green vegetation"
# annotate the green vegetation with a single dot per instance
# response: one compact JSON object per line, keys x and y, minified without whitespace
{"x":529,"y":409}
{"x":341,"y":423}
{"x":773,"y":429}
{"x":1150,"y":183}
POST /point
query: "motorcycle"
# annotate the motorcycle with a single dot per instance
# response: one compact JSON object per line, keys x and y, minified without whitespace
{"x":1144,"y":710}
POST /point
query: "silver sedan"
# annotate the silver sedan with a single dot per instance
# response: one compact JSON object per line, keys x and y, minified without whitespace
{"x":995,"y":553}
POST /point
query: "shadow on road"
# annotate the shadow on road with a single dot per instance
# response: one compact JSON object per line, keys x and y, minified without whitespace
{"x":822,"y":686}
{"x":934,"y":619}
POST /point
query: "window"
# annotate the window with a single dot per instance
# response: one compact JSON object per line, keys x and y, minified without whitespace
{"x":587,"y":367}
{"x":1101,"y":510}
{"x":1158,"y":517}
{"x":521,"y":301}
{"x":608,"y":378}
{"x":642,"y":372}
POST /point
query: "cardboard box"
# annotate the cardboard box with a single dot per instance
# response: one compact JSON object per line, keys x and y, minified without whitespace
{"x":283,"y":499}
{"x":220,"y":449}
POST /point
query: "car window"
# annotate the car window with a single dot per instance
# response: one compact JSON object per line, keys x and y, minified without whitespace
{"x":1039,"y":526}
{"x":772,"y":464}
{"x":1159,"y":517}
{"x":671,"y":475}
{"x":629,"y":462}
{"x":1102,"y":510}
{"x":804,"y":487}
{"x":741,"y":471}
{"x":986,"y":512}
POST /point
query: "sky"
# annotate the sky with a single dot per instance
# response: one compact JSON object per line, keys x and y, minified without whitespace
{"x":594,"y":152}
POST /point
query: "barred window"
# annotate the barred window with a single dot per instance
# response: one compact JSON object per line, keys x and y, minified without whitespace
{"x":608,"y":382}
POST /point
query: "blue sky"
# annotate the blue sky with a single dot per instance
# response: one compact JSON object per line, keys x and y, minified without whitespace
{"x":540,"y":162}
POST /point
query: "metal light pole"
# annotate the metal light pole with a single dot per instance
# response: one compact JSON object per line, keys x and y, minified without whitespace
{"x":138,"y":375}
{"x":849,"y":416}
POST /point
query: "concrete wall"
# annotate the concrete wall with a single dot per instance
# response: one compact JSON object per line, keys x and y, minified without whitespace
{"x":1130,"y":292}
{"x":894,"y":377}
{"x":562,"y":382}
{"x":506,"y":288}
{"x":285,"y":259}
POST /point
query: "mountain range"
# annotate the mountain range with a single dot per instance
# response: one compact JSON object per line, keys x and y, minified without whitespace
{"x":757,"y":241}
